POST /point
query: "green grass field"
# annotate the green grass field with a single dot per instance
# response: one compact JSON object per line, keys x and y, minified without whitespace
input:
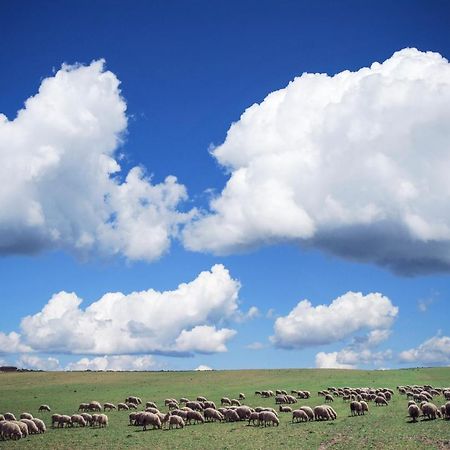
{"x":383,"y":428}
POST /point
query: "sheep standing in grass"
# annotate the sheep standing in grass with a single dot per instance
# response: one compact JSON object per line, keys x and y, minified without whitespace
{"x":87,"y":417}
{"x":355,"y":408}
{"x":43,"y":408}
{"x":285,"y":409}
{"x":299,"y":415}
{"x":241,"y":396}
{"x":32,"y":428}
{"x":55,"y":419}
{"x":194,"y":416}
{"x":95,"y":406}
{"x":83,"y":407}
{"x":23,"y":427}
{"x":64,"y":420}
{"x":10,"y":430}
{"x":309,"y":411}
{"x":321,"y":413}
{"x":151,"y":405}
{"x":79,"y":420}
{"x":211,"y":415}
{"x":40,"y":425}
{"x":102,"y":420}
{"x":122,"y":407}
{"x":235,"y":402}
{"x":414,"y":412}
{"x":231,"y":415}
{"x":109,"y":406}
{"x":26,"y":415}
{"x":173,"y":420}
{"x":181,"y":413}
{"x":9,"y":416}
{"x":225,"y":401}
{"x":254,"y":418}
{"x":380,"y":401}
{"x":430,"y":410}
{"x":364,"y":406}
{"x":447,"y":410}
{"x":268,"y":418}
{"x":329,"y":398}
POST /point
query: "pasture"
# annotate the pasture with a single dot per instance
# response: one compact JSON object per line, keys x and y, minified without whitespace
{"x":383,"y":428}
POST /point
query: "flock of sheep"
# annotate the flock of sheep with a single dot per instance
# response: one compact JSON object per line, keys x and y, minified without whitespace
{"x":186,"y":412}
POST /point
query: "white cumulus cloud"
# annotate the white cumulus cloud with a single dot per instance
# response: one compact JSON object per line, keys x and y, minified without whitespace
{"x":435,"y":350}
{"x":349,"y":358}
{"x":355,"y":164}
{"x":203,"y":367}
{"x":330,"y":361}
{"x":34,"y":362}
{"x":62,"y":184}
{"x":177,"y":322}
{"x":12,"y":343}
{"x":308,"y":325}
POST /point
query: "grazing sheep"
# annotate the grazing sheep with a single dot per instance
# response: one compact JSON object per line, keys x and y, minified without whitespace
{"x":184,"y":400}
{"x":299,"y":415}
{"x":243,"y":412}
{"x":355,"y":408}
{"x":364,"y":406}
{"x":329,"y":398}
{"x":268,"y":418}
{"x":55,"y":419}
{"x":414,"y":412}
{"x":44,"y":408}
{"x":151,"y":405}
{"x":280,"y":399}
{"x":181,"y":413}
{"x":211,"y":415}
{"x":40,"y":425}
{"x":430,"y":410}
{"x":309,"y":412}
{"x":380,"y":401}
{"x":196,"y":406}
{"x":87,"y":417}
{"x":285,"y":409}
{"x":109,"y":406}
{"x":9,"y":416}
{"x":241,"y":396}
{"x":102,"y":420}
{"x":131,"y":405}
{"x":194,"y":416}
{"x":200,"y":398}
{"x":225,"y":401}
{"x":173,"y":405}
{"x":331,"y":411}
{"x":235,"y":402}
{"x":64,"y":420}
{"x":258,"y":393}
{"x":231,"y":415}
{"x":411,"y":402}
{"x":209,"y":404}
{"x":254,"y":418}
{"x":447,"y":410}
{"x":321,"y":413}
{"x":32,"y":428}
{"x":26,"y":415}
{"x":83,"y":407}
{"x":79,"y":420}
{"x":152,"y":410}
{"x":174,"y":420}
{"x":95,"y":406}
{"x":133,"y":399}
{"x":10,"y":430}
{"x":23,"y":427}
{"x":122,"y":407}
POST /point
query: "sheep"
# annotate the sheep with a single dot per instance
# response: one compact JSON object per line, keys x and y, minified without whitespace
{"x":132,"y":399}
{"x":169,"y":400}
{"x":364,"y":407}
{"x":225,"y":401}
{"x":447,"y":410}
{"x":79,"y":420}
{"x":268,"y":418}
{"x":299,"y":415}
{"x":109,"y":406}
{"x":64,"y":420}
{"x":151,"y":405}
{"x":411,"y":402}
{"x":258,"y":393}
{"x":196,"y":406}
{"x":329,"y":398}
{"x":26,"y":415}
{"x":173,"y":405}
{"x":231,"y":415}
{"x":355,"y":408}
{"x":285,"y":409}
{"x":181,"y":413}
{"x":380,"y":401}
{"x":9,"y":416}
{"x":209,"y":404}
{"x":184,"y":400}
{"x":280,"y":399}
{"x":241,"y":396}
{"x":44,"y":408}
{"x":235,"y":402}
{"x":122,"y":407}
{"x":83,"y":407}
{"x":40,"y":425}
{"x":243,"y":412}
{"x":94,"y":406}
{"x":254,"y":418}
{"x":174,"y":420}
{"x":10,"y":430}
{"x":23,"y":427}
{"x":87,"y":417}
{"x":32,"y":428}
{"x":102,"y":420}
{"x":194,"y":416}
{"x":430,"y":410}
{"x":211,"y":415}
{"x":200,"y":398}
{"x":131,"y":405}
{"x":331,"y":411}
{"x":414,"y":412}
{"x":55,"y":419}
{"x":321,"y":413}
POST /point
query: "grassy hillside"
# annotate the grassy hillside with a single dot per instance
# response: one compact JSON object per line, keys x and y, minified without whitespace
{"x":384,"y":427}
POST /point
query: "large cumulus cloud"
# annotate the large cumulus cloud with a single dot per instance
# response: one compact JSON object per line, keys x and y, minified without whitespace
{"x":62,"y":185}
{"x":355,"y":164}
{"x":179,"y":322}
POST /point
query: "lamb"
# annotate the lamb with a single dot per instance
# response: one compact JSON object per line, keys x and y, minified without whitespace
{"x":174,"y":420}
{"x":211,"y":415}
{"x":241,"y":396}
{"x":299,"y":415}
{"x":44,"y":408}
{"x":79,"y":420}
{"x":40,"y":425}
{"x":268,"y":418}
{"x":414,"y":412}
{"x":122,"y":407}
{"x":132,"y":399}
{"x":285,"y":409}
{"x":430,"y":410}
{"x":109,"y":406}
{"x":231,"y":415}
{"x":254,"y":417}
{"x":32,"y":428}
{"x":355,"y":408}
{"x":26,"y":415}
{"x":102,"y":420}
{"x":10,"y":430}
{"x":194,"y":416}
{"x":9,"y":416}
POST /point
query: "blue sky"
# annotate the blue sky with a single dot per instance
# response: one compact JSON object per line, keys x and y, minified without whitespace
{"x":188,"y":71}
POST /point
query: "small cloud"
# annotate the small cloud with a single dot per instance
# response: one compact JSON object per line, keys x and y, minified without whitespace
{"x":202,"y":368}
{"x":251,"y":314}
{"x":255,"y":346}
{"x":271,"y":314}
